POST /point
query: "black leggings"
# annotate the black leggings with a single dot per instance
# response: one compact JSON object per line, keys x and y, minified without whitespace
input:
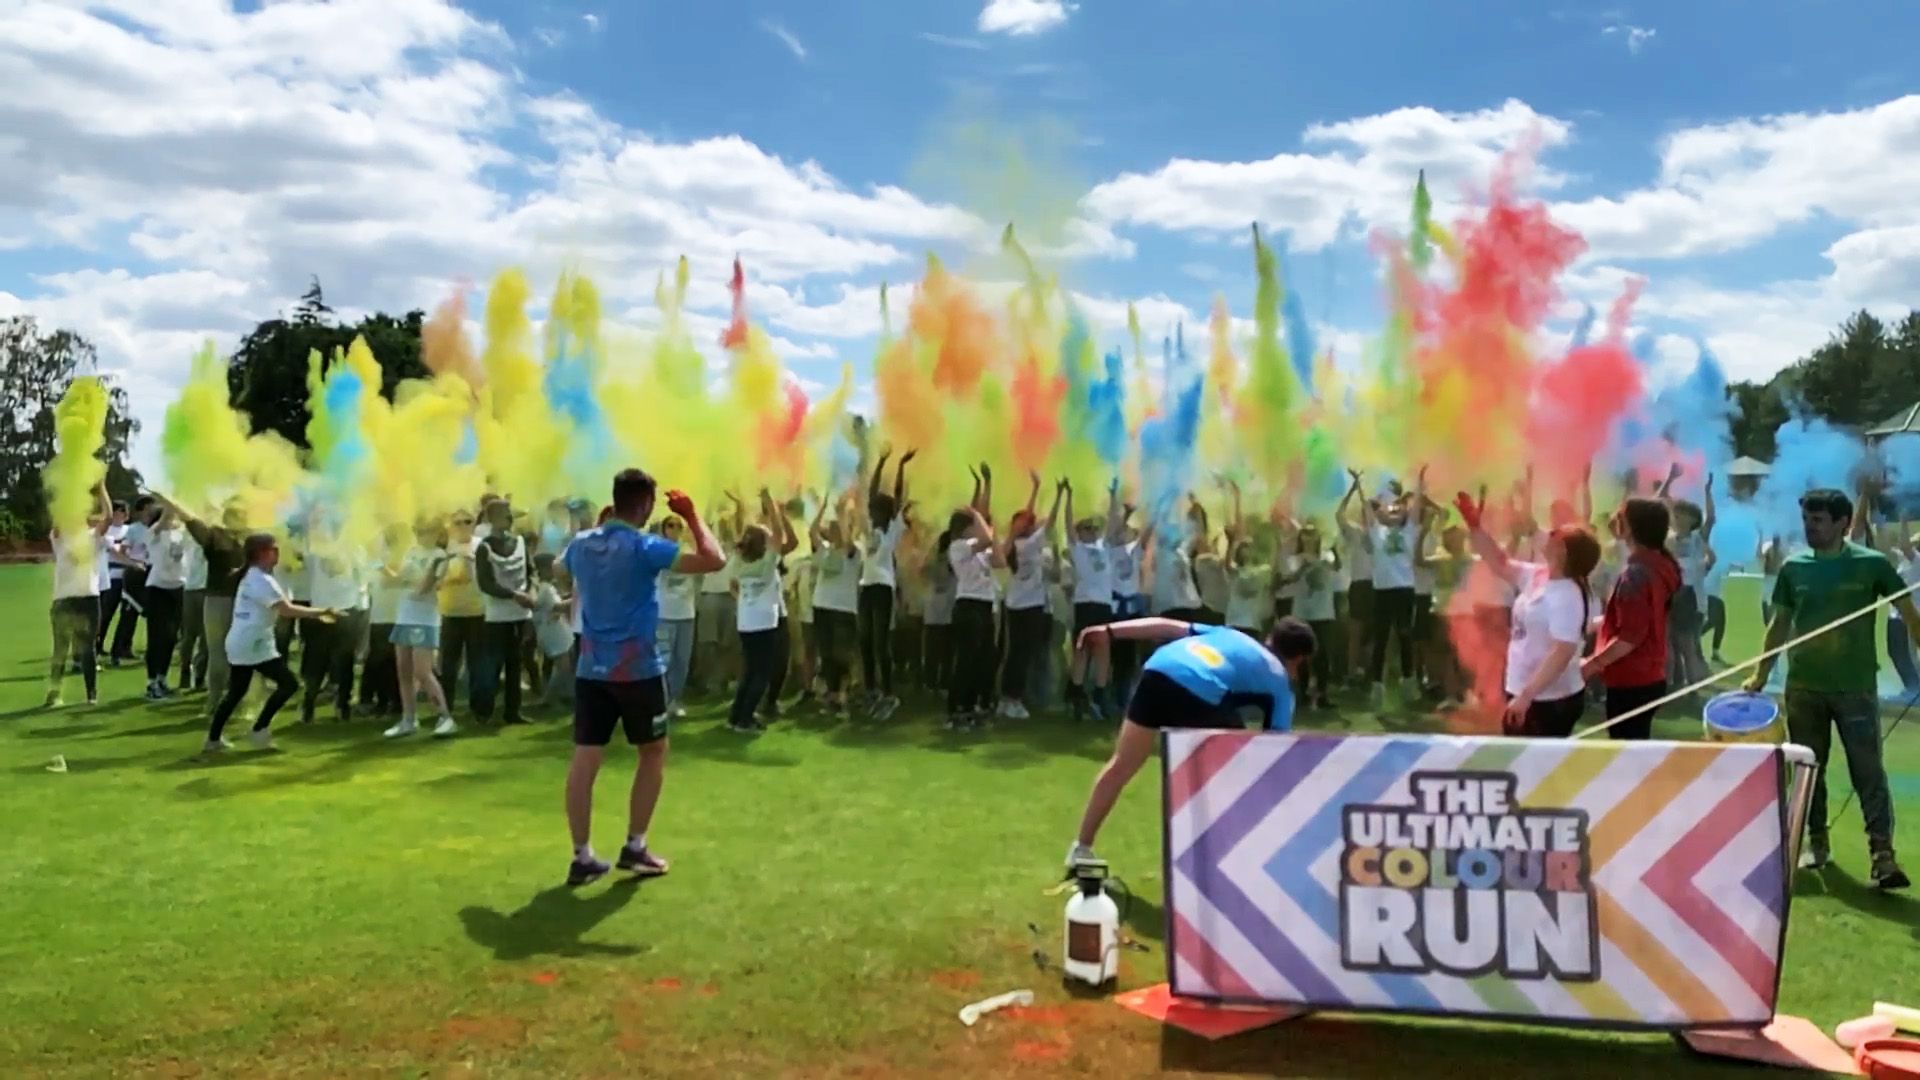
{"x":1026,"y":645}
{"x":836,"y":631}
{"x":76,"y":622}
{"x":1392,"y":617}
{"x":1317,"y":676}
{"x":970,"y":686}
{"x":163,"y":629}
{"x":1622,"y":700}
{"x":238,"y":682}
{"x":936,"y":657}
{"x":133,"y":601}
{"x":505,"y":662}
{"x":1716,"y":622}
{"x":762,"y":652}
{"x":876,"y":637}
{"x":380,"y":681}
{"x":326,"y":654}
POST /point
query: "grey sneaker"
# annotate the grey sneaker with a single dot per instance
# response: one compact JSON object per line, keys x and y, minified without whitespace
{"x":1816,"y":854}
{"x":1886,"y":872}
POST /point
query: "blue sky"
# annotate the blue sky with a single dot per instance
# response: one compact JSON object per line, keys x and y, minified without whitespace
{"x":189,"y":163}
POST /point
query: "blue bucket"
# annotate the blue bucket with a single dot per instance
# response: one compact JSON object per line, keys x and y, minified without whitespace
{"x":1741,"y":717}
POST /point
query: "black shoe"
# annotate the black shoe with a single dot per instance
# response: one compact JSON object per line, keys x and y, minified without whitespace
{"x":642,"y":862}
{"x":586,"y":871}
{"x":515,"y":721}
{"x":749,"y":727}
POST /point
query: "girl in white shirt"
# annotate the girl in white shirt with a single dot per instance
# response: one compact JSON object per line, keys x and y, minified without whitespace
{"x":1311,"y":579}
{"x":76,"y":601}
{"x":1092,"y":557}
{"x":251,"y":646}
{"x":679,"y":607}
{"x":970,"y":550}
{"x":877,"y":579}
{"x":1027,"y":618}
{"x":760,"y":611}
{"x":936,"y":663}
{"x":416,"y":629}
{"x":379,"y":683}
{"x":1545,"y":693}
{"x":836,"y":603}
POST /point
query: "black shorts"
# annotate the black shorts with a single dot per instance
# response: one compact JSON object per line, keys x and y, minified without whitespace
{"x":640,"y":708}
{"x":1552,"y":719}
{"x":1087,"y":616}
{"x":1160,"y":703}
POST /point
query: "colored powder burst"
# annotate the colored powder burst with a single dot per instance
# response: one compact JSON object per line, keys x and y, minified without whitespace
{"x":1106,"y":413}
{"x":74,"y":474}
{"x":1577,"y":402}
{"x":444,"y":345}
{"x":1167,"y":450}
{"x":1900,"y":456}
{"x":1811,"y":453}
{"x":572,"y":384}
{"x":345,"y":466}
{"x":1419,"y":236}
{"x":209,"y":454}
{"x":1267,"y":432}
{"x":1475,"y":362}
{"x":1293,"y":308}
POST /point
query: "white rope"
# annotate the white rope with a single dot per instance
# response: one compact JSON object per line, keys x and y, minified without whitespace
{"x":1745,"y":664}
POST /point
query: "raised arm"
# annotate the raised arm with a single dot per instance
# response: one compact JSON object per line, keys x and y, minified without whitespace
{"x":1666,"y":486}
{"x":879,"y":470}
{"x":1066,"y":493}
{"x":986,"y":490}
{"x":777,"y":521}
{"x":1237,"y":524}
{"x":900,"y":482}
{"x":103,"y":509}
{"x":1484,"y":545}
{"x":1053,"y":514}
{"x":1706,"y":519}
{"x":706,"y":557}
{"x":1586,"y":495}
{"x":1343,"y":514}
{"x":1116,"y":517}
{"x":817,"y":528}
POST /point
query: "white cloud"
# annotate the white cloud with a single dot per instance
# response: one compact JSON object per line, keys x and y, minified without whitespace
{"x":1023,"y":17}
{"x":1635,"y":37}
{"x":951,"y":42}
{"x":1363,"y":175}
{"x":787,"y":38}
{"x":592,"y":21}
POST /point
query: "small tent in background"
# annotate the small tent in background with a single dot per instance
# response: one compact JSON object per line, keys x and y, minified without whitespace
{"x":1905,"y":421}
{"x":1744,"y":475}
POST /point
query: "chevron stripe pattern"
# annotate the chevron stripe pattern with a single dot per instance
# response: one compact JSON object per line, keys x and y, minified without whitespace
{"x":1631,"y":884}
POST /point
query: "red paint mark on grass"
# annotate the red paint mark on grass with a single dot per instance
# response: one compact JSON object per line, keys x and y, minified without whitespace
{"x":1043,"y":1015}
{"x":1036,"y":1051}
{"x":666,"y":984}
{"x":707,"y":990}
{"x":958,"y":979}
{"x":544,"y":978}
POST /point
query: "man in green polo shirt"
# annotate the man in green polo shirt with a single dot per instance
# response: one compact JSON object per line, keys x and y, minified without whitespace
{"x":1833,"y":680}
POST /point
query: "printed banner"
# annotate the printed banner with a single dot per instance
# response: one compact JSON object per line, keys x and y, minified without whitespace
{"x":1622,"y":883}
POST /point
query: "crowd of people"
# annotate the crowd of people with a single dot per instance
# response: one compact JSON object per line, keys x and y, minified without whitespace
{"x":626,"y":615}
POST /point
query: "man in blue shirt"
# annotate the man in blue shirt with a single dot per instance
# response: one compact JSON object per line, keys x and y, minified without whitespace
{"x":1202,"y":677}
{"x":620,"y":678}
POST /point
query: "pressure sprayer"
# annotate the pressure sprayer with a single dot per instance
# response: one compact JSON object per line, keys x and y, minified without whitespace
{"x":1093,"y":926}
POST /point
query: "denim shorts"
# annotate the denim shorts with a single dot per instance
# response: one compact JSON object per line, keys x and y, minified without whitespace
{"x":415,"y":637}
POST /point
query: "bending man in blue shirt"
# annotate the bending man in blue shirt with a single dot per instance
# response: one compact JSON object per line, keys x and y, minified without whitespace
{"x":1201,"y":678}
{"x":620,"y":678}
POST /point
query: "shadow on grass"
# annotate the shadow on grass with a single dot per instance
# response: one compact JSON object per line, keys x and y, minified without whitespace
{"x":63,"y":731}
{"x":107,"y":708}
{"x":1364,"y":1048}
{"x":552,"y":923}
{"x":720,"y":744}
{"x":1893,"y":907}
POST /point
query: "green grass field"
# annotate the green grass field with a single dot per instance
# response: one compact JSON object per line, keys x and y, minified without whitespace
{"x":349,"y":907}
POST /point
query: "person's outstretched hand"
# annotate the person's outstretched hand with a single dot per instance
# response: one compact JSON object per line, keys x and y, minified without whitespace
{"x":681,"y":504}
{"x":1470,"y":511}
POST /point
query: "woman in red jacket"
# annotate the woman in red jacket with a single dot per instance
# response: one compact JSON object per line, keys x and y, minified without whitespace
{"x":1630,"y":655}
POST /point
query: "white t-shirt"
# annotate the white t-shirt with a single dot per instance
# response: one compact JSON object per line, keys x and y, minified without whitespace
{"x":111,"y":571}
{"x":250,"y":638}
{"x":1027,"y":584}
{"x":679,"y":594}
{"x":972,"y":572}
{"x":1393,"y":555}
{"x":1250,"y":603}
{"x":1548,"y":611}
{"x":1691,"y":553}
{"x":1359,"y":559}
{"x":196,"y":561}
{"x":940,"y":592}
{"x":838,"y":588}
{"x":74,"y":577}
{"x":551,"y":625}
{"x":415,"y":608}
{"x":338,"y":587}
{"x":877,"y":567}
{"x":760,"y":599}
{"x":1173,"y":587}
{"x":1313,"y":593}
{"x":720,"y":582}
{"x":1126,"y":568}
{"x":510,"y":572}
{"x":1210,"y":579}
{"x":1092,"y":573}
{"x":134,"y":541}
{"x":167,"y":558}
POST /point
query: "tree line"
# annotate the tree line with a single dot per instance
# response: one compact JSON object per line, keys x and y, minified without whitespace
{"x":1865,"y":373}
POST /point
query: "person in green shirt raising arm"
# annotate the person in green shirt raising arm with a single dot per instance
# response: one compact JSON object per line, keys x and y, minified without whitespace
{"x":1832,"y":680}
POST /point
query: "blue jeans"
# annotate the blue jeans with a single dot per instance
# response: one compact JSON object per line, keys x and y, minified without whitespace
{"x":675,"y":640}
{"x":1900,"y":651}
{"x":1811,"y":720}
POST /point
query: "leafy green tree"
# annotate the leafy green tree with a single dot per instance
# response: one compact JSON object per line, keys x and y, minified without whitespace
{"x":267,"y":375}
{"x":35,"y":369}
